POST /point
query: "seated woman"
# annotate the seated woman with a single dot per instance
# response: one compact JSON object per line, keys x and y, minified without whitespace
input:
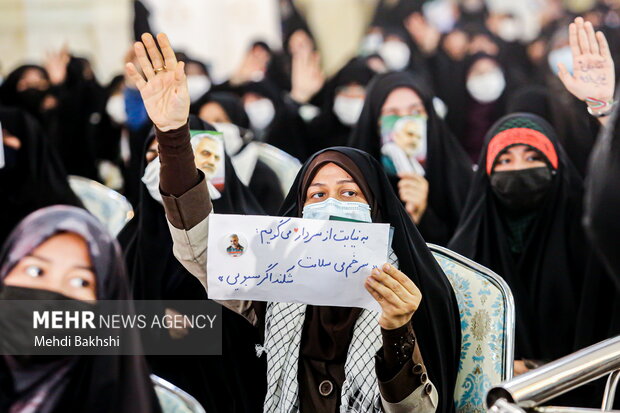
{"x":330,"y":367}
{"x":63,"y":253}
{"x":426,"y":164}
{"x":523,"y":220}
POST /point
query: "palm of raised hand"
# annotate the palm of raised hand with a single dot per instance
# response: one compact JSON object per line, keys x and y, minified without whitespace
{"x":164,"y":100}
{"x":593,"y":75}
{"x":593,"y":67}
{"x":164,"y":92}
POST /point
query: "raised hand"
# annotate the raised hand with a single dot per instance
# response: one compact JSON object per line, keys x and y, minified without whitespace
{"x":423,"y":33}
{"x":56,"y":65}
{"x":306,"y":76}
{"x":398,"y":296}
{"x":164,"y":85}
{"x":593,"y":78}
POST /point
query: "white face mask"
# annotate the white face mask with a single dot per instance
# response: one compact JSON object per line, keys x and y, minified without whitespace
{"x":563,"y":55}
{"x":332,"y":207}
{"x":395,"y":54}
{"x":487,"y":87}
{"x":115,"y":108}
{"x":348,"y":110}
{"x":232,"y":137}
{"x":261,"y":112}
{"x":197,"y":86}
{"x":371,"y":44}
{"x":509,"y":30}
{"x":151,"y":179}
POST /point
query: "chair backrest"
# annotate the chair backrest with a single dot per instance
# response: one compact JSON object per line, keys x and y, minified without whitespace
{"x":487,"y":312}
{"x":174,"y":400}
{"x":110,"y":207}
{"x":283,"y":164}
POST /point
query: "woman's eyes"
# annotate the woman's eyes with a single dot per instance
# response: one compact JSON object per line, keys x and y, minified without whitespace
{"x":34,"y":271}
{"x":317,"y":195}
{"x":503,"y":161}
{"x":349,"y":193}
{"x":79,"y":282}
{"x":533,"y":158}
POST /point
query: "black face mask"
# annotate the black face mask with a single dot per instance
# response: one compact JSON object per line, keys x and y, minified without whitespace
{"x":16,"y":325}
{"x":31,"y":100}
{"x":523,"y":190}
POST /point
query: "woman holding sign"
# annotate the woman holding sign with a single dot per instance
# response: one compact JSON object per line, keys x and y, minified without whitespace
{"x":342,"y":359}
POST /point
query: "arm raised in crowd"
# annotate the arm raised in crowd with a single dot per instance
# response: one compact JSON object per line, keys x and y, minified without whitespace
{"x":184,"y":191}
{"x":593,"y":78}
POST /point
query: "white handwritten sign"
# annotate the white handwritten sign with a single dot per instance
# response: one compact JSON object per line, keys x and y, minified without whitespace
{"x":294,"y":260}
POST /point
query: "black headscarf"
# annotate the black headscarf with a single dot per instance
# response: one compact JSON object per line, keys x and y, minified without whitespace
{"x":96,"y":383}
{"x":469,"y":119}
{"x":326,"y":129}
{"x":448,"y":170}
{"x":287,"y":129}
{"x":229,"y":102}
{"x":436,"y":322}
{"x":155,"y":274}
{"x":547,"y":275}
{"x":9,"y":96}
{"x":576,"y":130}
{"x":36,"y":179}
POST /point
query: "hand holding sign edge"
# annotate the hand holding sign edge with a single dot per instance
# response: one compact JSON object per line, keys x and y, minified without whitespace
{"x":397,"y":295}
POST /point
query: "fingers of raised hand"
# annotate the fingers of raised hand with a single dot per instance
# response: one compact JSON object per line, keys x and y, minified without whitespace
{"x":151,"y":47}
{"x":143,"y":60}
{"x":573,"y":40}
{"x":593,"y":43}
{"x":582,"y":36}
{"x":168,"y":52}
{"x":603,"y":45}
{"x":179,"y":73}
{"x":133,"y":74}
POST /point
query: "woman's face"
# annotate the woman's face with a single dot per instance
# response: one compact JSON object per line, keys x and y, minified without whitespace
{"x":213,"y":112}
{"x":32,"y":79}
{"x":61,"y":264}
{"x":403,"y":101}
{"x":331,"y":181}
{"x":482,"y":67}
{"x":518,"y":157}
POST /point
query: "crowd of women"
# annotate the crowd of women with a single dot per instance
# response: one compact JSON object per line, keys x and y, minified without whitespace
{"x":501,"y":150}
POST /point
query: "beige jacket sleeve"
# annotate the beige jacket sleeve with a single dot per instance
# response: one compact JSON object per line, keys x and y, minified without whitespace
{"x":188,"y":220}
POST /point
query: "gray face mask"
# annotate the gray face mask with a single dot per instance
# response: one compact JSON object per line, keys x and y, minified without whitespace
{"x":332,"y":207}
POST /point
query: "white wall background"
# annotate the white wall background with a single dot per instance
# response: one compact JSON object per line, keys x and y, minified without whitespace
{"x":99,"y":30}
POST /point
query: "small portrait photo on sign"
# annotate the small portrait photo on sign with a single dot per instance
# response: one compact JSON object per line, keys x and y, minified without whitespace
{"x":235,"y":245}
